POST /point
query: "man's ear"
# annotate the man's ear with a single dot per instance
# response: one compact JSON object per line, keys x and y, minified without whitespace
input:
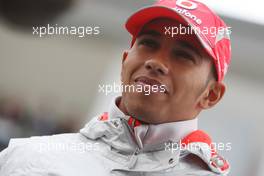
{"x":213,"y":94}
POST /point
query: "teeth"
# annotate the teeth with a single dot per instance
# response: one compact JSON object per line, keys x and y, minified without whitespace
{"x":149,"y":82}
{"x":142,"y":82}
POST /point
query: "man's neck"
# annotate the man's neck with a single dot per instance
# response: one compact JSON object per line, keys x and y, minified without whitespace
{"x":121,"y":105}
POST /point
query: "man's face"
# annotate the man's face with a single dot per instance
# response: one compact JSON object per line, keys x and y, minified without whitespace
{"x":178,"y":63}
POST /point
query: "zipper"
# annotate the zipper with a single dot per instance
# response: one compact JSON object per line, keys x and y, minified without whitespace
{"x":133,"y":158}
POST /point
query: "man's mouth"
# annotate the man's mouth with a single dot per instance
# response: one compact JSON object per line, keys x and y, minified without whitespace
{"x":143,"y":80}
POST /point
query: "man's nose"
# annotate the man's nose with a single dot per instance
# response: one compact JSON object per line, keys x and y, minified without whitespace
{"x":156,"y":66}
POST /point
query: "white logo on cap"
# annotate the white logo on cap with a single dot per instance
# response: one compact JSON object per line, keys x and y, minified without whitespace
{"x":186,"y":4}
{"x":189,"y":5}
{"x":189,"y":15}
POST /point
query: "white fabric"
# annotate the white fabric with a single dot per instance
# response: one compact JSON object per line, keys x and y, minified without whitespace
{"x":148,"y":135}
{"x":105,"y":148}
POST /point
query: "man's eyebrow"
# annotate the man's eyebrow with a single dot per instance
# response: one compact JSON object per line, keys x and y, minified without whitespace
{"x":149,"y":32}
{"x":185,"y":44}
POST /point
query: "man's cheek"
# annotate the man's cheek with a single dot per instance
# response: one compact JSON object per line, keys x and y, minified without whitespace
{"x":125,"y":70}
{"x":125,"y":75}
{"x":128,"y":70}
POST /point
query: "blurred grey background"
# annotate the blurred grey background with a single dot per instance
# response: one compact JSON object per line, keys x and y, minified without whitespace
{"x":50,"y":85}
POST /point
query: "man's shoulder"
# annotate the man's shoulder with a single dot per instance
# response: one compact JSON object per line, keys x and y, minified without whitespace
{"x":32,"y":139}
{"x":36,"y":154}
{"x":36,"y":142}
{"x":200,"y":149}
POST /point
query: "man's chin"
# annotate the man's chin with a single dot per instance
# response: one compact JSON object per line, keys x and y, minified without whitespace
{"x":147,"y":119}
{"x":144,"y":107}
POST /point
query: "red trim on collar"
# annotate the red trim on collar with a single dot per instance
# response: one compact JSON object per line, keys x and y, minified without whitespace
{"x":198,"y":136}
{"x":133,"y":122}
{"x":201,"y":136}
{"x":104,"y":116}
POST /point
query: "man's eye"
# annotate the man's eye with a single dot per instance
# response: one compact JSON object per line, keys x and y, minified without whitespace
{"x":183,"y":55}
{"x":148,"y":43}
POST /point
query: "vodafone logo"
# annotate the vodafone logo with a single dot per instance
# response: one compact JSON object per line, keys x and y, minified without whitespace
{"x":186,"y":4}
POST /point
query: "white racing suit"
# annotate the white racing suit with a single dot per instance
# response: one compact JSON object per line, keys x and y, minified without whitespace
{"x":113,"y":144}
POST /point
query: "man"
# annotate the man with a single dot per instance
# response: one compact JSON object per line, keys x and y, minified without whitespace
{"x":146,"y":134}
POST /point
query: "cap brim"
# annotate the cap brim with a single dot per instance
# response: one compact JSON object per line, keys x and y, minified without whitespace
{"x":135,"y":22}
{"x":145,"y":15}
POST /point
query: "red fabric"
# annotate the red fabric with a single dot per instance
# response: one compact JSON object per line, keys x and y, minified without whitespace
{"x":104,"y":117}
{"x":201,"y":136}
{"x":137,"y":123}
{"x":197,"y":136}
{"x":130,"y":121}
{"x":133,"y":122}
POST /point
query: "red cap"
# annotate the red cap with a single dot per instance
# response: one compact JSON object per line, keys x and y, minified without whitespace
{"x":214,"y":35}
